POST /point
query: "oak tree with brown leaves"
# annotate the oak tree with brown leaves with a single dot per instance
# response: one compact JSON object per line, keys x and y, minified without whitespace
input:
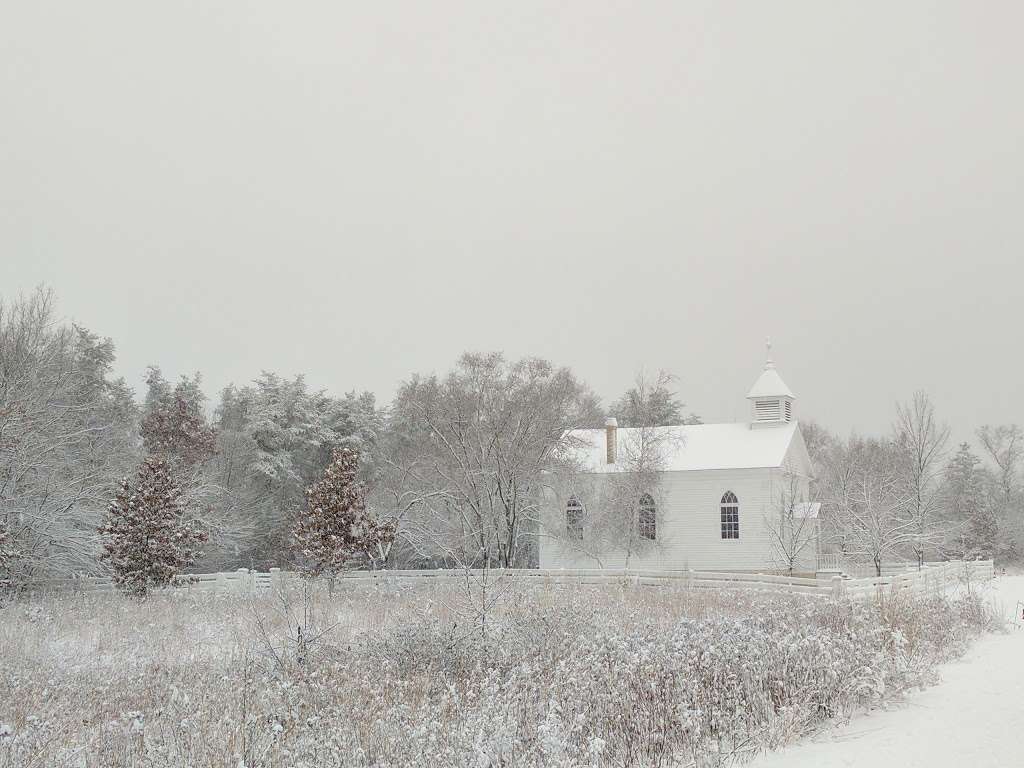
{"x":336,"y":526}
{"x":173,"y":423}
{"x":147,"y":536}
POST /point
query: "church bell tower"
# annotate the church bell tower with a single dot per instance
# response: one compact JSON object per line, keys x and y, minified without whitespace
{"x":771,"y":401}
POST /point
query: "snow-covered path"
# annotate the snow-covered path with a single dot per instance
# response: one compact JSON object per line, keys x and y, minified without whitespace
{"x":973,"y":718}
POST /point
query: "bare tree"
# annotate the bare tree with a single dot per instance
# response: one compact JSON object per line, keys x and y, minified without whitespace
{"x":920,"y":443}
{"x":404,"y":492}
{"x":838,"y":466}
{"x":1004,"y":444}
{"x":464,"y":464}
{"x":484,"y":436}
{"x":792,"y":525}
{"x":627,"y":511}
{"x":616,"y":509}
{"x":874,"y":516}
{"x":652,"y":403}
{"x":865,"y":500}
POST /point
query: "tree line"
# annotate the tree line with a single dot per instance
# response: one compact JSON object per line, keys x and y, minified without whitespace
{"x":451,"y":472}
{"x":911,"y":494}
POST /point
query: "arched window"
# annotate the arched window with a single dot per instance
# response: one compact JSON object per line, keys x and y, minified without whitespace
{"x":730,"y":516}
{"x":647,"y":518}
{"x":574,"y":519}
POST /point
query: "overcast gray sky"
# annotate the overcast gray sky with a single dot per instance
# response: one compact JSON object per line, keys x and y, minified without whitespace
{"x":361,"y":190}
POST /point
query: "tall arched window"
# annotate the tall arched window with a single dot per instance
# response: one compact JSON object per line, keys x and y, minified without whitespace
{"x":574,"y":519}
{"x":730,"y":516}
{"x":647,"y":518}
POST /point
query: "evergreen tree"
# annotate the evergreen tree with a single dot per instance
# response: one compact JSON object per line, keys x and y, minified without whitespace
{"x":965,"y":483}
{"x":969,"y":504}
{"x":982,"y":535}
{"x":147,"y":539}
{"x":335,"y":525}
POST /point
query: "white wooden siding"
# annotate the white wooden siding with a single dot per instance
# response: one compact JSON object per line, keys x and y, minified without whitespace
{"x":689,"y":526}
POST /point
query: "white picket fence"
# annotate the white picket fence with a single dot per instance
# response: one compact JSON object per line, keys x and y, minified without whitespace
{"x":932,"y":578}
{"x":861,"y":568}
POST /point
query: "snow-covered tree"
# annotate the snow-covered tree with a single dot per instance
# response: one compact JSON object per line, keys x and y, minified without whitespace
{"x":147,"y":536}
{"x":175,"y":428}
{"x":981,"y":537}
{"x":968,"y":507}
{"x":656,"y":404}
{"x":1004,"y":446}
{"x":484,"y":436}
{"x":875,"y":518}
{"x":274,"y":439}
{"x":68,"y":432}
{"x":335,"y":526}
{"x":866,"y":500}
{"x":965,"y":483}
{"x":404,"y":492}
{"x":174,"y":424}
{"x":623,"y":508}
{"x":920,"y":445}
{"x":792,"y":525}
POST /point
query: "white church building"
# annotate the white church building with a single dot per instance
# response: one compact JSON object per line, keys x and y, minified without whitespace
{"x":715,"y":499}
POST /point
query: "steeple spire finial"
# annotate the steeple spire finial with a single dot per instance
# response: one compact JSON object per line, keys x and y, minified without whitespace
{"x":769,"y":363}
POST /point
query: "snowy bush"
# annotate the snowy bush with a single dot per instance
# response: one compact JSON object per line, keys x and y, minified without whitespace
{"x":574,"y":676}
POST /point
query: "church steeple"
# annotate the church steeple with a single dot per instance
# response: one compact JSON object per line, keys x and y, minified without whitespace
{"x":771,"y":401}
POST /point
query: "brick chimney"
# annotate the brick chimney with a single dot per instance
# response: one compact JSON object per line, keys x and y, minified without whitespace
{"x":611,"y":426}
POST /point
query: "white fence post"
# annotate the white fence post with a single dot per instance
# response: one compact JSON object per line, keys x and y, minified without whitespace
{"x":838,"y":587}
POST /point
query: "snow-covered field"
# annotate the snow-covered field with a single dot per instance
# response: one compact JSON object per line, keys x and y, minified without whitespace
{"x":575,"y":676}
{"x":974,"y":718}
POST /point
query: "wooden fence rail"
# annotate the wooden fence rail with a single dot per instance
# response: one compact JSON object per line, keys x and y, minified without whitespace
{"x":933,"y":578}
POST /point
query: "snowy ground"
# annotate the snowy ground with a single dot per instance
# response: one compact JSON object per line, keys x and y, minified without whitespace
{"x":974,"y":717}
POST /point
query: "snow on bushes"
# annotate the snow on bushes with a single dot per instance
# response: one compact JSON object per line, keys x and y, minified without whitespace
{"x":628,"y":676}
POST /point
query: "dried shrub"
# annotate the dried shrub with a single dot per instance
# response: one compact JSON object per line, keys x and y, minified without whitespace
{"x":573,"y":676}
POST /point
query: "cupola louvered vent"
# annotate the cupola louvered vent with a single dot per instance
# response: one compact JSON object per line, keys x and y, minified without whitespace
{"x":767,"y":410}
{"x":770,"y":399}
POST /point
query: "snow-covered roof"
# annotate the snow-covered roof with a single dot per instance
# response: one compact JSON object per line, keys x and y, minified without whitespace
{"x":694,"y":447}
{"x":770,"y":384}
